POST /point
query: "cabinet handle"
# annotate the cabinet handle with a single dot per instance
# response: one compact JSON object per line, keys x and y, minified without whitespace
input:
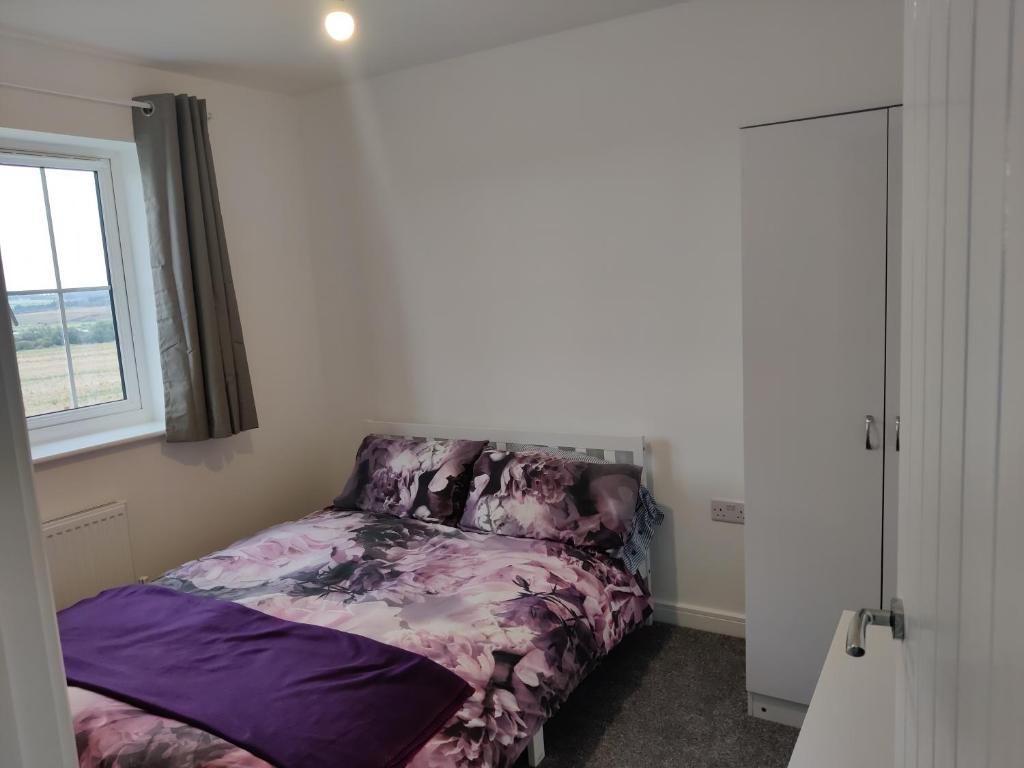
{"x":897,"y":433}
{"x":869,"y":422}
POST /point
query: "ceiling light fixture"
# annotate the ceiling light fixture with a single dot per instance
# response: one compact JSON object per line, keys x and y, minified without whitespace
{"x":340,"y":25}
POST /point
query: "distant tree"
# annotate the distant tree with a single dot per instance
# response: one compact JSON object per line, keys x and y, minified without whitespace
{"x":37,"y":337}
{"x":43,"y":336}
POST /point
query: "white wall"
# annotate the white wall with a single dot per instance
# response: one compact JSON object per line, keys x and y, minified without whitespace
{"x":547,"y":235}
{"x":186,"y":500}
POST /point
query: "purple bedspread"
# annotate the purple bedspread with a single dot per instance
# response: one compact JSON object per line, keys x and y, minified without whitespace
{"x":296,"y":695}
{"x":521,"y":620}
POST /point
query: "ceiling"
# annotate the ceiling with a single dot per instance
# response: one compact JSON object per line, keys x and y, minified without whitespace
{"x":281,"y":45}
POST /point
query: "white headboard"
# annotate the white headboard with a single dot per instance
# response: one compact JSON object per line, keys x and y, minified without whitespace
{"x":622,"y":450}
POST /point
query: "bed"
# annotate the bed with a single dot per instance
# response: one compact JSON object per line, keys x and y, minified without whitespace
{"x":522,"y":620}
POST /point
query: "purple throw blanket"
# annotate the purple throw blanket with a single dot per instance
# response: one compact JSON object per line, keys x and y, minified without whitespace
{"x":296,"y":695}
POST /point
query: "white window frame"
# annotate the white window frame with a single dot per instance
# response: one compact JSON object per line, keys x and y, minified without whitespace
{"x":140,"y":414}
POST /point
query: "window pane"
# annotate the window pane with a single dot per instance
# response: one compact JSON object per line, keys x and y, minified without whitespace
{"x":42,"y":361}
{"x":94,"y":353}
{"x":77,"y":232}
{"x":24,"y":236}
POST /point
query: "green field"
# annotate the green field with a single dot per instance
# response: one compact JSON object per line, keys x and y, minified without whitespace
{"x":44,"y":376}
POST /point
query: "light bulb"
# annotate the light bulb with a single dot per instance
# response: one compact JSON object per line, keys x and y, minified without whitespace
{"x":340,"y":25}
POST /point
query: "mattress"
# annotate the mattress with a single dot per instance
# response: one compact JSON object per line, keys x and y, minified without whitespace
{"x":521,"y":620}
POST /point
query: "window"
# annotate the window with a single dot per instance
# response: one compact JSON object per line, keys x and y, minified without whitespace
{"x":70,"y":294}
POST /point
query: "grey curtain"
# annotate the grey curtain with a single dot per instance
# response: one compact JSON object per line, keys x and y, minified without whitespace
{"x":207,"y":387}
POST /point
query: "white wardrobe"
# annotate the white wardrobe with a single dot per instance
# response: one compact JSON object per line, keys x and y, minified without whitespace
{"x":821,"y":203}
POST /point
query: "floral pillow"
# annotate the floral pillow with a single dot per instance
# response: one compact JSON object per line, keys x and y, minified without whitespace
{"x":540,"y":496}
{"x":411,"y":477}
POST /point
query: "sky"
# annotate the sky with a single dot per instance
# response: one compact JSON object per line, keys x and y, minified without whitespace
{"x":24,"y":236}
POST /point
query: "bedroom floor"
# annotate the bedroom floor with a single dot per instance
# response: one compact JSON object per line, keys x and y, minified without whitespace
{"x":667,"y":696}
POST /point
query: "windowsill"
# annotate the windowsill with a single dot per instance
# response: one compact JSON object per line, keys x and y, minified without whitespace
{"x":74,"y":446}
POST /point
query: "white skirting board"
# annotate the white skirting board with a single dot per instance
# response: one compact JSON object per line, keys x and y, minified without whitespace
{"x":698,"y":617}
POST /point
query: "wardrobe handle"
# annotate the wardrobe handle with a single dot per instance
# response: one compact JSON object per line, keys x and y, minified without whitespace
{"x":897,"y":433}
{"x":869,"y":422}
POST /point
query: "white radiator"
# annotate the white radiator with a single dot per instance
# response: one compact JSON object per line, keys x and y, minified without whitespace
{"x":88,"y":552}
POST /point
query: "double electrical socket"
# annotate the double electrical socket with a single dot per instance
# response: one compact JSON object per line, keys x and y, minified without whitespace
{"x":727,"y":511}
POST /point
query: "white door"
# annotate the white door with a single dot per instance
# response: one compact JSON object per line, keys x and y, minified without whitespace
{"x":961,"y":537}
{"x":814,"y":274}
{"x":35,"y":722}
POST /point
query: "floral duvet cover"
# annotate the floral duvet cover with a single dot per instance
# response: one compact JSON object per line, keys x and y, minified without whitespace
{"x":521,"y":620}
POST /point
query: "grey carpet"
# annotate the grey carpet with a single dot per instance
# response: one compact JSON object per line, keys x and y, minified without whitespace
{"x":666,"y":697}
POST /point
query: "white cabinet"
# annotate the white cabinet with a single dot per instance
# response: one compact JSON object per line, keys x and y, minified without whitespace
{"x":852,"y":718}
{"x":818,"y":340}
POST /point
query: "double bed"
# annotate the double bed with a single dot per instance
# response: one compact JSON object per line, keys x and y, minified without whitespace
{"x":522,"y":620}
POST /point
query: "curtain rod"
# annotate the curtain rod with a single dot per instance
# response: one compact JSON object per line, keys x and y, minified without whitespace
{"x":145,"y":106}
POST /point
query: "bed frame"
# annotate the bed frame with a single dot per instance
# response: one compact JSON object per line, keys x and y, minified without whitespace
{"x":623,"y":450}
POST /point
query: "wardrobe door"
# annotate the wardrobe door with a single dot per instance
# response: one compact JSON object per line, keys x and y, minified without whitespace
{"x":814,"y":272}
{"x":893,"y":266}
